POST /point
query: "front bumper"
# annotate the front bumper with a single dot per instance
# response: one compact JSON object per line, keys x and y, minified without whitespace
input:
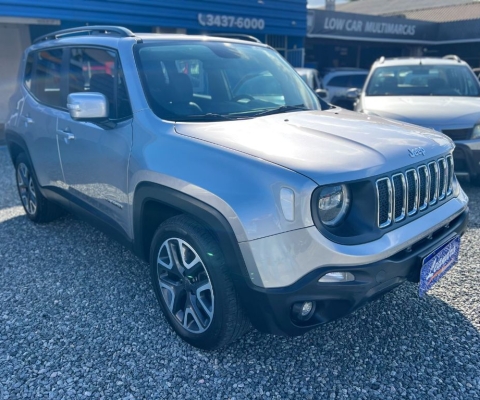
{"x":466,"y":157}
{"x":270,"y":310}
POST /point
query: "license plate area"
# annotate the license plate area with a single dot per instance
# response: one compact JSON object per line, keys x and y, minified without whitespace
{"x":437,"y":264}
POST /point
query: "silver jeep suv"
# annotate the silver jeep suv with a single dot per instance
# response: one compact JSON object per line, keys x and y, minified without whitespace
{"x":253,"y":201}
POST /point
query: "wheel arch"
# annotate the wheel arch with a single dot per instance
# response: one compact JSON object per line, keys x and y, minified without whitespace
{"x":16,"y":145}
{"x":154,"y":203}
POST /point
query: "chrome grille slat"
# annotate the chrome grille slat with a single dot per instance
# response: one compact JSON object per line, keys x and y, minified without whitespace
{"x":424,"y":183}
{"x":406,"y":193}
{"x":399,"y":197}
{"x":384,"y":196}
{"x":450,"y":174}
{"x":413,"y":191}
{"x":433,"y":170}
{"x":442,"y":178}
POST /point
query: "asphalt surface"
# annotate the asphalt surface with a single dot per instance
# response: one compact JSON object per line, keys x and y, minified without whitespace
{"x":78,"y":319}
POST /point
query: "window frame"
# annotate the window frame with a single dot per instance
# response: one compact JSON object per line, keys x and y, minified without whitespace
{"x":64,"y":76}
{"x":31,"y":90}
{"x":116,"y":76}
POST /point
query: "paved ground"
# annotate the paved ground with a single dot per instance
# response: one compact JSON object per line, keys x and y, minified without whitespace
{"x":78,"y":319}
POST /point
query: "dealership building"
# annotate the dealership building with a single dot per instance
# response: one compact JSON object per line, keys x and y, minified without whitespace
{"x":357,"y":33}
{"x":280,"y":23}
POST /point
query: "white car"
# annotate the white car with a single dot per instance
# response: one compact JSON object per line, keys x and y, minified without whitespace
{"x":339,"y":81}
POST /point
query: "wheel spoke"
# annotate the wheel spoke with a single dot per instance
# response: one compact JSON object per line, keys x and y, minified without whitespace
{"x":31,"y":189}
{"x":205,"y":298}
{"x":174,"y":295}
{"x":164,"y":256}
{"x":24,"y":174}
{"x":21,"y":180}
{"x":193,"y":317}
{"x":175,"y":252}
{"x":24,"y":196}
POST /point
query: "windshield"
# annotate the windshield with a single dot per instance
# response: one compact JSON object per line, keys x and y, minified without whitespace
{"x":423,"y":80}
{"x":202,"y":80}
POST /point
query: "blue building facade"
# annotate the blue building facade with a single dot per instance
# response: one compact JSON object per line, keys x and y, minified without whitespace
{"x":280,"y":23}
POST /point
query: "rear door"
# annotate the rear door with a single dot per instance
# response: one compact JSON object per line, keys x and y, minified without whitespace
{"x":95,"y":155}
{"x":38,"y":112}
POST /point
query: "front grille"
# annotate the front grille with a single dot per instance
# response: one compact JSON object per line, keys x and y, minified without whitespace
{"x":404,"y":194}
{"x":458,"y":134}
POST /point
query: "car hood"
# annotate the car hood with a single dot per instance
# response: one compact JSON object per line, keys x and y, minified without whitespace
{"x":327,"y":146}
{"x":429,"y":111}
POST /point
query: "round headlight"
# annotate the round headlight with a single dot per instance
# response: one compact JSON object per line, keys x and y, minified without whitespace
{"x":333,"y":203}
{"x":476,"y":132}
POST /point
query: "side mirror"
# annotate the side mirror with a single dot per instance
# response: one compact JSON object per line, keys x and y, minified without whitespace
{"x":353,"y":94}
{"x":87,"y":106}
{"x":321,"y":93}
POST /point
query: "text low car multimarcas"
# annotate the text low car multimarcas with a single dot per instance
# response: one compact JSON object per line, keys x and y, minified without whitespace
{"x":252,"y":200}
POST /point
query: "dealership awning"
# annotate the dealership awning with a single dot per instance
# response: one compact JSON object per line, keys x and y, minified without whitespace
{"x":361,"y":27}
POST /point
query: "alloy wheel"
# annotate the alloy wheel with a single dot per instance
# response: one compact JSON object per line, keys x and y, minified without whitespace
{"x":26,"y":188}
{"x":185,"y":285}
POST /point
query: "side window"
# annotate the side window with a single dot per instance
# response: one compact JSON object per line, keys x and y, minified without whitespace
{"x":339,"y":81}
{"x":98,"y":70}
{"x":27,"y":76}
{"x":46,"y":83}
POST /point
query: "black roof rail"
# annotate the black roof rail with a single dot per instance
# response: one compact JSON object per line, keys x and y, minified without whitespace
{"x":240,"y":36}
{"x":87,"y":30}
{"x":452,"y":57}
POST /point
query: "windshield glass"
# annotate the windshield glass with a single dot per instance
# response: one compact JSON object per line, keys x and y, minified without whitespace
{"x":202,"y":80}
{"x":423,"y":80}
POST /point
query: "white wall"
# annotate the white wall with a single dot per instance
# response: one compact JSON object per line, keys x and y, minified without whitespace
{"x":13,"y":40}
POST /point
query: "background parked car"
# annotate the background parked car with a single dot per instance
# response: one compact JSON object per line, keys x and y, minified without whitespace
{"x":310,"y":76}
{"x":335,"y":84}
{"x":476,"y":71}
{"x":339,"y":81}
{"x":441,"y":94}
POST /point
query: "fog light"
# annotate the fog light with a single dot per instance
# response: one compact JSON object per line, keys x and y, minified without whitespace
{"x":337,"y":277}
{"x":304,"y":310}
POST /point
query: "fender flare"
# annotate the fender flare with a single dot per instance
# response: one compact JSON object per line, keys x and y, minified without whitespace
{"x":186,"y":204}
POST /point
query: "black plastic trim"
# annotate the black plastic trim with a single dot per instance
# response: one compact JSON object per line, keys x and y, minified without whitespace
{"x":273,"y":307}
{"x":186,"y":204}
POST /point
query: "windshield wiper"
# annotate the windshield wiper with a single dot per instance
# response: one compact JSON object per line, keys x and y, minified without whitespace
{"x":208,"y":117}
{"x":282,"y":109}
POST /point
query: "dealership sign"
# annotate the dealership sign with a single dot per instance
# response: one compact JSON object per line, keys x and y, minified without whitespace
{"x":322,"y":23}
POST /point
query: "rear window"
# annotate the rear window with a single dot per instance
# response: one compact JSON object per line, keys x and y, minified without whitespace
{"x":46,"y":83}
{"x":27,"y":77}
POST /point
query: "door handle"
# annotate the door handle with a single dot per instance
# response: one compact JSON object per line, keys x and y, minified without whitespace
{"x":28,"y":120}
{"x":67,"y":134}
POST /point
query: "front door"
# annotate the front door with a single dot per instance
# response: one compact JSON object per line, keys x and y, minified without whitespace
{"x":95,"y":155}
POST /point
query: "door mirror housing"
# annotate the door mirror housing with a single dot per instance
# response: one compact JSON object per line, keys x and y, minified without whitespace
{"x":321,"y":93}
{"x":353,"y":94}
{"x":87,"y":106}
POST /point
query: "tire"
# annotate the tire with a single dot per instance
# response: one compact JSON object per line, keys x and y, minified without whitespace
{"x":36,"y":206}
{"x":192,"y":285}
